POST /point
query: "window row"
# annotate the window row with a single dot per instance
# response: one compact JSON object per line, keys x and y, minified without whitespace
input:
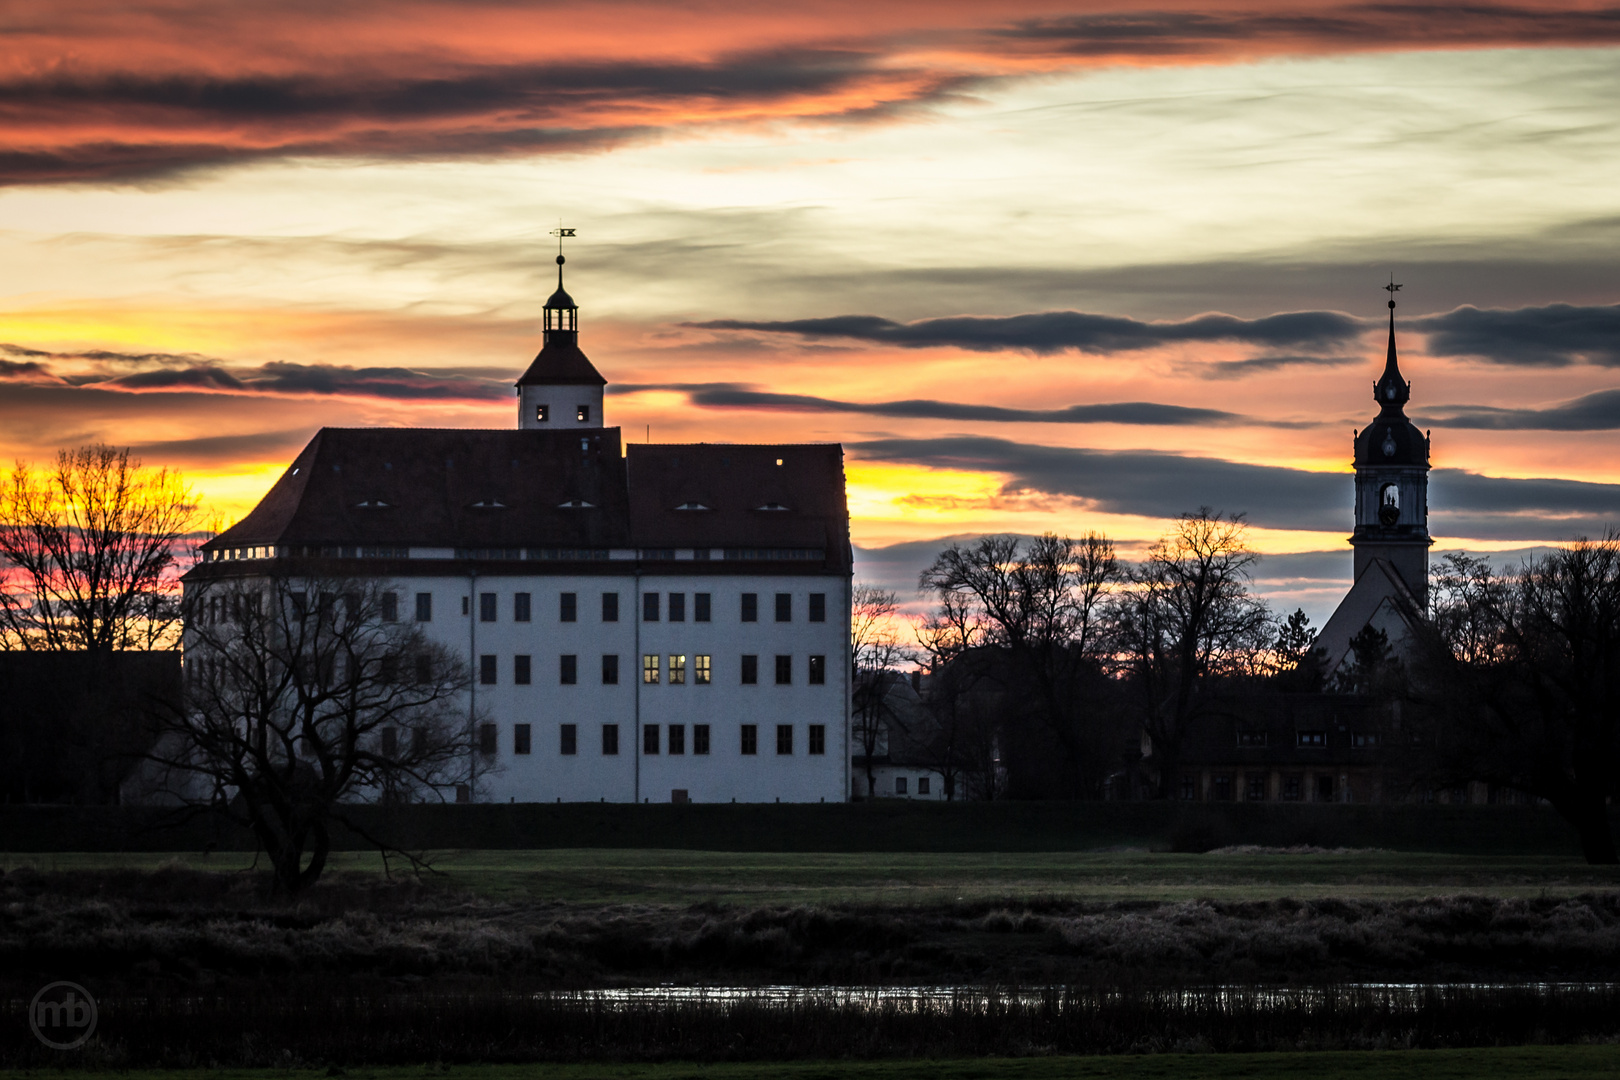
{"x":655,"y":667}
{"x":655,"y":739}
{"x":655,"y":607}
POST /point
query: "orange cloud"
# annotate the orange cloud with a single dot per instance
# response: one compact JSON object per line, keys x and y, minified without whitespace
{"x":98,"y":90}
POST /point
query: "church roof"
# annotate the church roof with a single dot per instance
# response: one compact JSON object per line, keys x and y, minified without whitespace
{"x":1379,"y":598}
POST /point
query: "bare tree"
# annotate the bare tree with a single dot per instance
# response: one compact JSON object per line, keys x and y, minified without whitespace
{"x":88,"y":553}
{"x":1185,"y":624}
{"x":1034,"y":613}
{"x":304,"y":696}
{"x":877,"y":650}
{"x":1516,"y":682}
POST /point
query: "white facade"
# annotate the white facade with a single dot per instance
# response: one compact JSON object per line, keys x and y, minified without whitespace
{"x":559,"y":407}
{"x":633,"y":706}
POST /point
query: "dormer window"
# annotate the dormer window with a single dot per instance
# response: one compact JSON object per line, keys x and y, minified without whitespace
{"x":576,"y":504}
{"x":490,"y":504}
{"x":542,"y":413}
{"x":771,"y":506}
{"x":372,"y":504}
{"x":693,"y":506}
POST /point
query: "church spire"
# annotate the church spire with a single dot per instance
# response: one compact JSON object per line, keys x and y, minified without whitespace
{"x":1391,"y":391}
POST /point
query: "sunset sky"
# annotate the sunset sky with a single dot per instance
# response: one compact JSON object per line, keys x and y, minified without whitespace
{"x":1037,"y":266}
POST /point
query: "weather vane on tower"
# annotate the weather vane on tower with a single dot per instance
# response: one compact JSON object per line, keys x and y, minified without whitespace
{"x":559,"y":232}
{"x":1391,"y":288}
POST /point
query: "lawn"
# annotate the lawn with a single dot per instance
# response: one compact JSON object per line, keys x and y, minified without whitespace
{"x":1499,"y":1063}
{"x":620,"y":876}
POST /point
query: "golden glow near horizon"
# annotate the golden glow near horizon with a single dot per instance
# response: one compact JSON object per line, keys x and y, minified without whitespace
{"x":214,"y":317}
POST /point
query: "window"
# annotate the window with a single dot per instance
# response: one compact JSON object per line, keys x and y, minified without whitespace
{"x":520,"y":670}
{"x":521,"y":734}
{"x":1364,"y":740}
{"x":570,"y":740}
{"x":750,"y":670}
{"x":568,"y":607}
{"x":390,"y":607}
{"x":520,"y":607}
{"x":818,"y":670}
{"x":750,"y":607}
{"x":784,"y":607}
{"x":784,"y":670}
{"x":922,"y":785}
{"x":583,"y":414}
{"x":899,"y":785}
{"x":677,"y":670}
{"x":390,"y":742}
{"x":424,"y":607}
{"x":649,"y":668}
{"x":750,"y":738}
{"x":568,"y":669}
{"x":610,"y":607}
{"x":818,"y":739}
{"x":466,"y":605}
{"x":486,"y":670}
{"x":486,"y":739}
{"x":542,"y":413}
{"x":1251,"y":738}
{"x":784,"y":738}
{"x":1257,"y":789}
{"x":486,"y":607}
{"x":1187,"y":793}
{"x":649,"y":607}
{"x":818,"y":607}
{"x":700,"y":738}
{"x":1324,"y":788}
{"x":1313,"y":738}
{"x":649,"y":739}
{"x":1290,"y":790}
{"x":677,"y":607}
{"x":677,"y":738}
{"x":702,"y":669}
{"x":424,"y":669}
{"x":700,"y":607}
{"x":610,"y":739}
{"x":1223,"y":788}
{"x":610,"y":669}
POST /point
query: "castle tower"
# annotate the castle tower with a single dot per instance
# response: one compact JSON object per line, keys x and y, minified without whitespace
{"x":1392,"y":482}
{"x":561,"y":389}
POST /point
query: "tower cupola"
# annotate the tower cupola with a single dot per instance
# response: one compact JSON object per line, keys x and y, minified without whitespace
{"x":1392,"y":480}
{"x":561,"y":388}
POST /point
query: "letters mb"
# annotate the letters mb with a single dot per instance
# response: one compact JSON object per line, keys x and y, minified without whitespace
{"x":63,"y":1015}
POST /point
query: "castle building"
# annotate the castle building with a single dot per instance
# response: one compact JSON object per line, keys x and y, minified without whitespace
{"x":644,"y":622}
{"x":1391,"y":538}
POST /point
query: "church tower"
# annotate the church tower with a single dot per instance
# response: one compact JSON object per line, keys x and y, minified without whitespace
{"x":1392,"y":482}
{"x":561,"y":389}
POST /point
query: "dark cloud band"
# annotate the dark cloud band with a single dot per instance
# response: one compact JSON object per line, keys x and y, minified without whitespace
{"x":182,"y":372}
{"x":1552,"y":336}
{"x":1161,"y":485}
{"x":739,"y":396}
{"x":1056,"y":331}
{"x":1599,"y":411}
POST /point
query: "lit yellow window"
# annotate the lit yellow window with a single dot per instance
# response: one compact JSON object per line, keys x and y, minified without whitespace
{"x":649,"y":668}
{"x":677,"y":669}
{"x":700,"y":670}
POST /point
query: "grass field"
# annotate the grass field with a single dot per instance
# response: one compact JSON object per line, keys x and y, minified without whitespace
{"x":631,"y":876}
{"x":1506,"y":1063}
